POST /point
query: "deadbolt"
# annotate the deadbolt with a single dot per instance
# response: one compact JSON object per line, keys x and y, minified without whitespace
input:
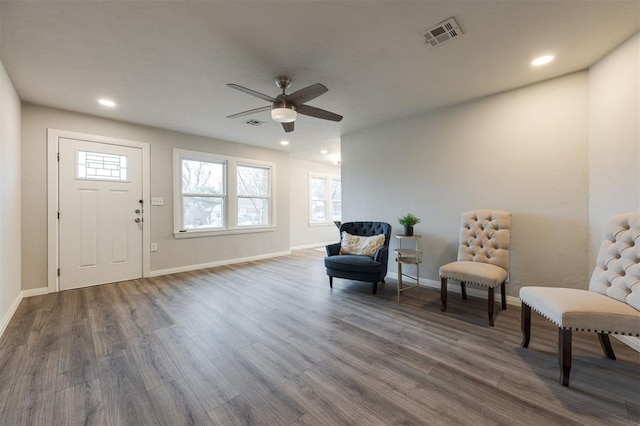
{"x":137,"y":211}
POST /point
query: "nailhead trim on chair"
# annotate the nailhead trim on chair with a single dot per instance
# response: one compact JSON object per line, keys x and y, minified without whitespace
{"x":469,"y":282}
{"x":580,"y":329}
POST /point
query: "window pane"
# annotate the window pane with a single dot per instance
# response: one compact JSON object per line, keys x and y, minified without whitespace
{"x":318,"y":212}
{"x":336,"y":197}
{"x":318,"y":188}
{"x":201,"y":177}
{"x":253,"y":211}
{"x":337,"y":210}
{"x":336,"y":190}
{"x":253,"y":181}
{"x":202,"y":212}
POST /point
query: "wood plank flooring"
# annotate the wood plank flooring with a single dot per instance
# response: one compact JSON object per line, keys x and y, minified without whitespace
{"x":269,"y":343}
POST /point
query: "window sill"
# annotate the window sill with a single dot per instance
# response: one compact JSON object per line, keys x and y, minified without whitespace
{"x":216,"y":233}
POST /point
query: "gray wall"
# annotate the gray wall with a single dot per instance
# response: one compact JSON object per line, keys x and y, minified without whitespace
{"x":524,"y":151}
{"x":10,"y":221}
{"x":172,"y":253}
{"x":303,"y":234}
{"x":614,"y":138}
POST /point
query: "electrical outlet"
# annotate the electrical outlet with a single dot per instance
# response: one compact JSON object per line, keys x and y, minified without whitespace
{"x":154,"y":246}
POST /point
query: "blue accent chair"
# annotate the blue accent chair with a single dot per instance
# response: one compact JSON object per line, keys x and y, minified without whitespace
{"x":359,"y":267}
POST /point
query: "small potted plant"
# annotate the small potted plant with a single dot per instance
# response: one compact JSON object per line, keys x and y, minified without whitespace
{"x":408,"y":221}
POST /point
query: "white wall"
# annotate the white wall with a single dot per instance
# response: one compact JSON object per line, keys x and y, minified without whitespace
{"x":614,"y":138}
{"x":10,"y":222}
{"x":524,"y":151}
{"x":302,"y":234}
{"x":172,"y":253}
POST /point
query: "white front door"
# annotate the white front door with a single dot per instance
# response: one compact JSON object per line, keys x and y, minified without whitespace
{"x":100,"y":206}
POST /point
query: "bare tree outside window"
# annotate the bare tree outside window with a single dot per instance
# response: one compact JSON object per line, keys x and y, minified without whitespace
{"x":203,"y":192}
{"x":204,"y":202}
{"x":254,"y":191}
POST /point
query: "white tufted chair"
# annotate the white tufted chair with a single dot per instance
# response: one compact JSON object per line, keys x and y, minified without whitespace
{"x":483,"y":255}
{"x":612,"y":303}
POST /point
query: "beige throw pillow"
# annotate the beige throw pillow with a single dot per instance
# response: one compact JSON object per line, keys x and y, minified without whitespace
{"x":355,"y":244}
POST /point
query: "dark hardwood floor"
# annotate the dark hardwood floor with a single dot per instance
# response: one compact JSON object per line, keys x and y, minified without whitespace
{"x":269,"y":343}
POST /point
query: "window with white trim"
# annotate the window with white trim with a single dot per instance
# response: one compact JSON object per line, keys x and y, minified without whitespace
{"x":203,"y":193}
{"x":325,"y":199}
{"x":336,"y":199}
{"x":219,"y":194}
{"x":254,"y":195}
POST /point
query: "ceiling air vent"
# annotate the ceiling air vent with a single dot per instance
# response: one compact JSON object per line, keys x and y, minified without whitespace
{"x":254,"y":122}
{"x":443,"y":32}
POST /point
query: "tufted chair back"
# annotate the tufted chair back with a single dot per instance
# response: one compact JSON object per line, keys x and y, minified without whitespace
{"x":357,"y":267}
{"x":368,"y":229}
{"x":617,"y":272}
{"x":485,"y":236}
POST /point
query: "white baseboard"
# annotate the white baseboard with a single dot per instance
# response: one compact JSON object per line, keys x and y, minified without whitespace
{"x":471,"y":291}
{"x":35,"y":292}
{"x":14,"y":305}
{"x":9,"y":314}
{"x":186,"y":268}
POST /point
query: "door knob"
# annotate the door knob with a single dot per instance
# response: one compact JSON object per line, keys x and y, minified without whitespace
{"x":137,"y":220}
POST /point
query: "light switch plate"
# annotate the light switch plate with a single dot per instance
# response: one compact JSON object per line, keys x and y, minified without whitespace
{"x":157,"y":201}
{"x":154,"y":246}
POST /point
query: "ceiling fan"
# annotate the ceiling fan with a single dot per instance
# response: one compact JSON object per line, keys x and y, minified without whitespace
{"x":285,"y":108}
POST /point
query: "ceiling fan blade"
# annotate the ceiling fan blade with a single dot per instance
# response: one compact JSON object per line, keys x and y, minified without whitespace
{"x":308,"y":93}
{"x":249,"y":112}
{"x":288,"y":127}
{"x":318,"y":113}
{"x":251,"y":92}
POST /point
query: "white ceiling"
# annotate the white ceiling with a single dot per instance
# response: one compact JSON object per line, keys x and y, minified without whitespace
{"x":167,"y":63}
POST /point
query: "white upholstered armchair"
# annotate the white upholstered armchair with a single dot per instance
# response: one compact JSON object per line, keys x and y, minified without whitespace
{"x":610,"y":306}
{"x":483,"y":255}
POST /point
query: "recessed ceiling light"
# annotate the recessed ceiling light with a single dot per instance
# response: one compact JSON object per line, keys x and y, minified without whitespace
{"x":284,"y":142}
{"x":107,"y":103}
{"x":542,"y":60}
{"x":324,"y":151}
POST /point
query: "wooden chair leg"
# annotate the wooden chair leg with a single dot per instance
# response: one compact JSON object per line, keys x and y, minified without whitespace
{"x":525,"y":325}
{"x":564,"y":355}
{"x":503,"y":294}
{"x":491,"y":303}
{"x":330,"y":281}
{"x":606,"y":345}
{"x":374,"y":287}
{"x":443,"y":293}
{"x":463,"y":290}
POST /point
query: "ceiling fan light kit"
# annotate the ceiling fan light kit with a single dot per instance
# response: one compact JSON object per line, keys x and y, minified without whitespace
{"x":285,"y":108}
{"x":284,"y":115}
